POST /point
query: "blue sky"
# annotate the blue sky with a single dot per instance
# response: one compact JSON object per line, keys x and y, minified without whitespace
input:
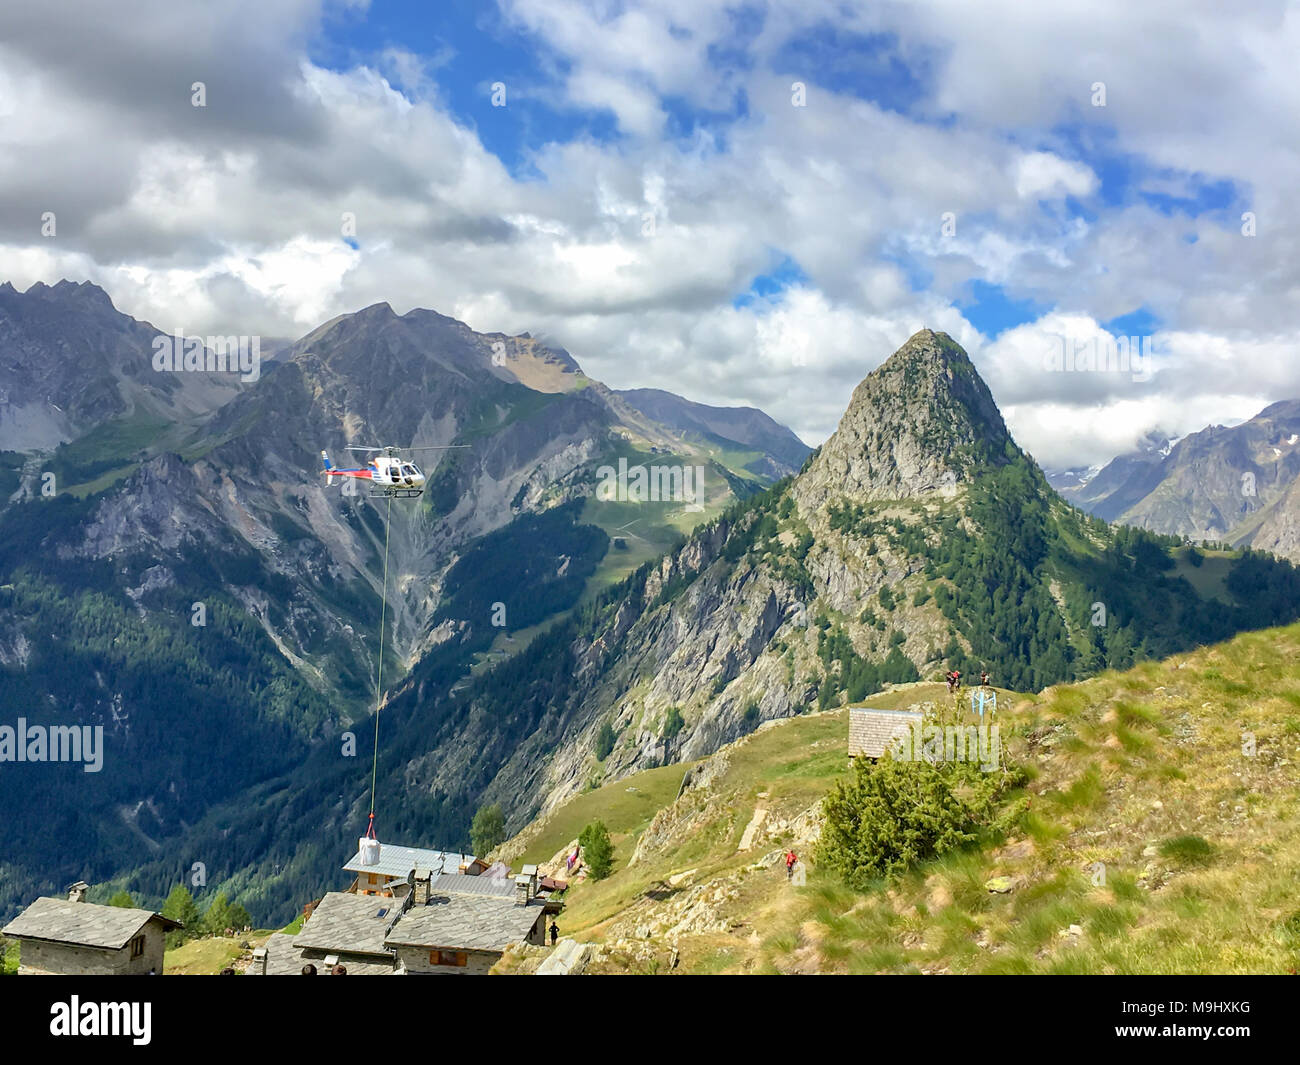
{"x":465,"y":46}
{"x":796,"y":241}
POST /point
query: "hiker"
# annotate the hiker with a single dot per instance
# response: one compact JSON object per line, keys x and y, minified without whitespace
{"x":571,"y":859}
{"x":555,"y":932}
{"x":790,"y":860}
{"x":984,"y":679}
{"x":309,"y":969}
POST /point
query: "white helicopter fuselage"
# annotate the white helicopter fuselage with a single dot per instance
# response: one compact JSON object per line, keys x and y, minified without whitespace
{"x":395,"y":471}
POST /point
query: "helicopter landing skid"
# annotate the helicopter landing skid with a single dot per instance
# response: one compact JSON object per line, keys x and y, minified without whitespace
{"x":397,"y":493}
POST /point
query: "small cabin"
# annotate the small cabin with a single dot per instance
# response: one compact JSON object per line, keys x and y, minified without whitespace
{"x":872,"y":732}
{"x":73,"y":937}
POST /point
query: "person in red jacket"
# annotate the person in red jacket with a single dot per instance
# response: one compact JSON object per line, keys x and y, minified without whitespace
{"x":790,"y":859}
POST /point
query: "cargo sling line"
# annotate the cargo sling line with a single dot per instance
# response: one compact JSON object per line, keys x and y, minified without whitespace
{"x":379,"y":679}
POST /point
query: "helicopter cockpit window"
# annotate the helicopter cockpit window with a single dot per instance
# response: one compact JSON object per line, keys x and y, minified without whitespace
{"x":409,"y":470}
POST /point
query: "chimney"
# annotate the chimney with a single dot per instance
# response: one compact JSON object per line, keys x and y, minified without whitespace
{"x":77,"y":893}
{"x":422,"y":886}
{"x":259,"y":961}
{"x":522,"y":892}
{"x":530,"y":871}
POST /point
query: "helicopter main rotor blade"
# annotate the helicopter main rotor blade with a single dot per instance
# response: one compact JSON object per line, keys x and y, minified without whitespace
{"x":444,"y":447}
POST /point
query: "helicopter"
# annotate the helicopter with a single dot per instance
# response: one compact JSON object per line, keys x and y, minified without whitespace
{"x":390,"y":475}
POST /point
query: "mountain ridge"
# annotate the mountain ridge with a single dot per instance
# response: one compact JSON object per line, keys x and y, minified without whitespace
{"x":1232,"y":484}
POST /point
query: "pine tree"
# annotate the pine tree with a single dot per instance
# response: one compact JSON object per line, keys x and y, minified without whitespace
{"x":597,"y":850}
{"x":216,"y":920}
{"x":238,"y":918}
{"x":180,"y":906}
{"x":488,"y":830}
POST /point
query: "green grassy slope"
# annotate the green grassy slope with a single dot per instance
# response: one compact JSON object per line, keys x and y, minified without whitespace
{"x":1159,"y":837}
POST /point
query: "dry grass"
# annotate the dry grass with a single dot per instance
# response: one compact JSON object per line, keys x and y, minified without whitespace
{"x":1160,"y":838}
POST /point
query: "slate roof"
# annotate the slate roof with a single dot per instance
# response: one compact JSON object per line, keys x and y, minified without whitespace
{"x":472,"y":885}
{"x":871,"y":731}
{"x":283,"y":958}
{"x":83,"y":923}
{"x":462,"y":921}
{"x":346,"y":923}
{"x":396,"y":860}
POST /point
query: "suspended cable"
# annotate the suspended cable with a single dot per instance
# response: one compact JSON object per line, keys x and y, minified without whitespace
{"x":379,"y":677}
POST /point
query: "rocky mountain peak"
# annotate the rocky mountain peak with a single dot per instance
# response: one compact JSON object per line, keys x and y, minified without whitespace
{"x":920,"y":423}
{"x":85,"y":293}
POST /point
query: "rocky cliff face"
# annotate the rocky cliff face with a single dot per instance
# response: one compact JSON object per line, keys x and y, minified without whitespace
{"x":69,"y":361}
{"x":918,"y":425}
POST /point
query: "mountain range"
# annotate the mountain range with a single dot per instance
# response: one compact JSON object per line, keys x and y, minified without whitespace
{"x":136,"y":503}
{"x":1236,"y":485}
{"x":192,"y":587}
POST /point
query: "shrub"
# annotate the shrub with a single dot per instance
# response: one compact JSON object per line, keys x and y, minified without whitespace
{"x":673,"y":722}
{"x":886,"y":817}
{"x":605,"y":737}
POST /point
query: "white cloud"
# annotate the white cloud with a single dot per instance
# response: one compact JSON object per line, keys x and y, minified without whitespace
{"x":231,"y":215}
{"x":1042,"y":174}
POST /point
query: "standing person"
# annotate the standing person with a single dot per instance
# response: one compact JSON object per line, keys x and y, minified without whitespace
{"x":555,"y":932}
{"x":790,"y":859}
{"x":984,"y":679}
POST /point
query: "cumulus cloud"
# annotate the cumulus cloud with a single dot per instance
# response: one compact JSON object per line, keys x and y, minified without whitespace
{"x":636,"y":251}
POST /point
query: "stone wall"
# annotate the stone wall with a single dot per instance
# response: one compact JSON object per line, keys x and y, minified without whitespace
{"x":416,"y":961}
{"x":67,"y":959}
